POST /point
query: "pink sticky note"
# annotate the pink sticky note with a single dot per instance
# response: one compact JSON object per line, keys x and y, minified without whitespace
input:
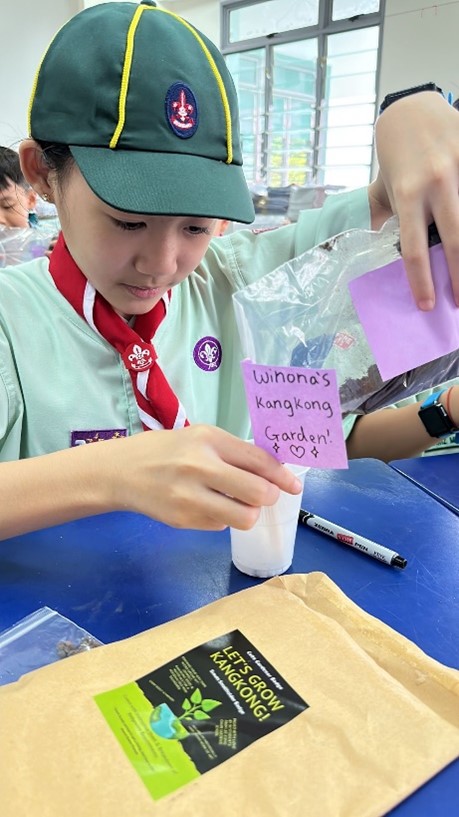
{"x":296,"y":414}
{"x":400,"y":336}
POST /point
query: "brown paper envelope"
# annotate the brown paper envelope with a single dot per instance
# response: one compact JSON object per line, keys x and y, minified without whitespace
{"x":382,"y":719}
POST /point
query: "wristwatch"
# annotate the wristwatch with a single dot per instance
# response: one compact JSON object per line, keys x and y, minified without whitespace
{"x":390,"y":98}
{"x":435,"y":417}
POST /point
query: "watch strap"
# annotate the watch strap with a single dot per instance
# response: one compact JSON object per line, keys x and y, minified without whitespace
{"x":390,"y":98}
{"x":433,"y":398}
{"x":435,"y":418}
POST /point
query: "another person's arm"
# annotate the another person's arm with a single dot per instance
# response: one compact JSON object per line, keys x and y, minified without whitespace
{"x":396,"y":433}
{"x":417,"y":141}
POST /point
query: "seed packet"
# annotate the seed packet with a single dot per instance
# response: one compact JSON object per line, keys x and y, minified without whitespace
{"x":40,"y":638}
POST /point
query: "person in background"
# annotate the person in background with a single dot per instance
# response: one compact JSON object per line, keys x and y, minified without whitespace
{"x":141,"y":162}
{"x":23,"y":235}
{"x":17,"y":198}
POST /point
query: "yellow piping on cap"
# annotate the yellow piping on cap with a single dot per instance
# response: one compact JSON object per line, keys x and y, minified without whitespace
{"x":127,"y":70}
{"x":126,"y":75}
{"x":35,"y":83}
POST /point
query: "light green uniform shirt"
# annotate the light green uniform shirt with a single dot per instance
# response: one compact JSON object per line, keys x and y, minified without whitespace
{"x":62,"y":384}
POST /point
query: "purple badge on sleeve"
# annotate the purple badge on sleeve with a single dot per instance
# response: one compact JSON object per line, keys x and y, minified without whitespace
{"x":96,"y":435}
{"x":207,"y":353}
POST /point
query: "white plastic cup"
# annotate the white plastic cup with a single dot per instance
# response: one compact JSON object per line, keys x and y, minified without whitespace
{"x":267,"y":548}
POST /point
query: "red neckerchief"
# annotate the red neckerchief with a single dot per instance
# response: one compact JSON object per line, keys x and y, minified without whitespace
{"x":158,"y":406}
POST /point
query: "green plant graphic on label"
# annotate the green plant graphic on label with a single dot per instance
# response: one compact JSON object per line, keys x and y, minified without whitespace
{"x":221,"y":697}
{"x":165,"y":723}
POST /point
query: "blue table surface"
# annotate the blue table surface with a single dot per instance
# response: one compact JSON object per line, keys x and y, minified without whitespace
{"x":118,"y":574}
{"x":437,"y":475}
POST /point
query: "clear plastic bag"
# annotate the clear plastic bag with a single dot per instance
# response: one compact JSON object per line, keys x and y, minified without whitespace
{"x":302,"y":314}
{"x":18,"y":245}
{"x":39,"y":639}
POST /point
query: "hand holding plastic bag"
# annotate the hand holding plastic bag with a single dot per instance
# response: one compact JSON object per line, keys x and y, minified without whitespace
{"x":302,"y":314}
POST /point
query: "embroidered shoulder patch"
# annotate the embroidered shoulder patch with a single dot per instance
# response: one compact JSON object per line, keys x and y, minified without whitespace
{"x":207,"y":354}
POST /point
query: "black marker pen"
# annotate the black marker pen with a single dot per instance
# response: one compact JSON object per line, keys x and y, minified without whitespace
{"x":383,"y":554}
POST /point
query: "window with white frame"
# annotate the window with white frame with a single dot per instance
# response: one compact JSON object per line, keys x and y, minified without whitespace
{"x":306,"y":75}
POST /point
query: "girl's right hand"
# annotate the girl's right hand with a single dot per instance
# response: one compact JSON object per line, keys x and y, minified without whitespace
{"x":197,"y":477}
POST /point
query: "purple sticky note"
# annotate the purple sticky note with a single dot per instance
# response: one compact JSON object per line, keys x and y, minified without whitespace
{"x":296,"y":414}
{"x":400,"y":336}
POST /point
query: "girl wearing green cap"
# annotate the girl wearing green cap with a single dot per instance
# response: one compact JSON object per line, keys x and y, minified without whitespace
{"x":129,"y":326}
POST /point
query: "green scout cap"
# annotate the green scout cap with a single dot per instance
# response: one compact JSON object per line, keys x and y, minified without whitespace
{"x":148,"y":108}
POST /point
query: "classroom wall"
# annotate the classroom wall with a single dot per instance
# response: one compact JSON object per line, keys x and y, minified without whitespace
{"x":204,"y":14}
{"x":419,"y":44}
{"x":26,"y":28}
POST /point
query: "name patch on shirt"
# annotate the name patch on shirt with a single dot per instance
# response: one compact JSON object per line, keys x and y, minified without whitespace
{"x":95,"y":435}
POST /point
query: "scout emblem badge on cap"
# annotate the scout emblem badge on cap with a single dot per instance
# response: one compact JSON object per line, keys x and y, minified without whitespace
{"x":148,"y":108}
{"x":182,"y":110}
